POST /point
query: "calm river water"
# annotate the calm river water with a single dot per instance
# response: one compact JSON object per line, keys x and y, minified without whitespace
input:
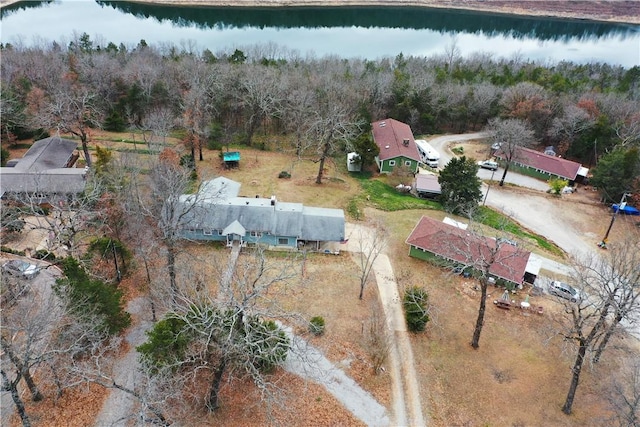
{"x":347,"y":32}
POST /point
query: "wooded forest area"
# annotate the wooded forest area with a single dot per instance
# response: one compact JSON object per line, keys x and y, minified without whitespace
{"x":318,"y":105}
{"x":314,"y":108}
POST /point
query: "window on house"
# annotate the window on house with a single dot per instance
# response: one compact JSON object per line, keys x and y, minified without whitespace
{"x":191,"y":230}
{"x":207,"y":232}
{"x":407,"y":163}
{"x":219,"y":232}
{"x":283,"y":241}
{"x":392,"y":162}
{"x":255,"y":234}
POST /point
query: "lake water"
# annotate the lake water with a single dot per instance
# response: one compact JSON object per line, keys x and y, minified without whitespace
{"x":347,"y":32}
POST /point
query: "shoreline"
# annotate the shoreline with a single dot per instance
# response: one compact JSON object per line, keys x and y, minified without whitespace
{"x":622,"y":12}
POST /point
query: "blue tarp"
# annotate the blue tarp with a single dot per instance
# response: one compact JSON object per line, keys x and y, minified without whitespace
{"x":626,"y":210}
{"x":231,"y":156}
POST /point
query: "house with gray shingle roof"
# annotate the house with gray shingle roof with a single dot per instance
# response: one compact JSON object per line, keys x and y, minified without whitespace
{"x":45,"y":174}
{"x":397,"y":145}
{"x":218,"y":213}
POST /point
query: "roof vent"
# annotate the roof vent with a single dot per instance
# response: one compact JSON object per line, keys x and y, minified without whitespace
{"x":383,"y":124}
{"x":386,"y":146}
{"x":405,"y":142}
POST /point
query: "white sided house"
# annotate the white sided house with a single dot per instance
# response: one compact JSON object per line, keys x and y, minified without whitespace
{"x":218,"y":213}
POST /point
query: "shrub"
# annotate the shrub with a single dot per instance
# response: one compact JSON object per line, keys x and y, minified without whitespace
{"x":458,"y":150}
{"x":4,"y":156}
{"x":45,"y":255}
{"x":187,"y":161}
{"x":354,"y":210}
{"x":316,"y":325}
{"x":284,"y":174}
{"x":114,"y":122}
{"x":105,"y":248}
{"x":11,"y":251}
{"x":273,"y":345}
{"x":415,"y":308}
{"x":92,"y":298}
{"x":166,"y":344}
{"x":557,"y":185}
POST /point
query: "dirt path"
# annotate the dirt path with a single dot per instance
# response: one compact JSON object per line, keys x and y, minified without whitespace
{"x":407,"y":407}
{"x":309,"y":363}
{"x":118,"y":407}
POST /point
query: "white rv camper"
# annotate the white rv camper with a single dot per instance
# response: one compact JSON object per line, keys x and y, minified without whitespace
{"x":428,"y":155}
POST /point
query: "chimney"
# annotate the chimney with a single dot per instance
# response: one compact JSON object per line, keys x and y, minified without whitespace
{"x":273,"y":200}
{"x":405,"y":142}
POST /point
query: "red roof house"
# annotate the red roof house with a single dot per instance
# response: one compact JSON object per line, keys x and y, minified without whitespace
{"x":544,"y":163}
{"x":463,"y":247}
{"x":397,"y":145}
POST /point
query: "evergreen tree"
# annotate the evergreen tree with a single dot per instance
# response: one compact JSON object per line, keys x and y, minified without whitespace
{"x":460,"y":186}
{"x":615,"y":173}
{"x":92,"y":297}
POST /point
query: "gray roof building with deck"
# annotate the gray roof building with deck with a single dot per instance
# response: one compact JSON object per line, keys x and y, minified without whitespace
{"x":218,"y":213}
{"x":45,"y":173}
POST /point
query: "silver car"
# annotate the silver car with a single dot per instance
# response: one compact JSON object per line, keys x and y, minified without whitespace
{"x":488,"y":164}
{"x":563,"y":290}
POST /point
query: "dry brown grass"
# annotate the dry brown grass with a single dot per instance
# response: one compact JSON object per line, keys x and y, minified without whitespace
{"x":517,"y":377}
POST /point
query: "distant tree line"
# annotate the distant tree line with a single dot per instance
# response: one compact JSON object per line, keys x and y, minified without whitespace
{"x":322,"y":105}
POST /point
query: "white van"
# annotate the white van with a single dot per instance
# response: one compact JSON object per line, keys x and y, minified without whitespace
{"x":428,"y":155}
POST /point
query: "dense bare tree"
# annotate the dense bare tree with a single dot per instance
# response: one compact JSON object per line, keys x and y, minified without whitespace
{"x":567,"y":127}
{"x":155,"y":127}
{"x":169,"y":182}
{"x":71,"y":108}
{"x":624,"y":395}
{"x":371,"y":241}
{"x":510,"y":135}
{"x":36,"y":333}
{"x":623,"y":118}
{"x":484,"y":257}
{"x":259,"y":96}
{"x":66,"y":219}
{"x":621,"y":265}
{"x":333,"y":121}
{"x":297,"y":110}
{"x":231,"y":334}
{"x":529,"y":102}
{"x":605,"y":292}
{"x":483,"y":102}
{"x":197,"y":103}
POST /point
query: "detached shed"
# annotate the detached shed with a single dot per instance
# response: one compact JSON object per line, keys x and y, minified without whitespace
{"x":427,"y":185}
{"x":231,"y":159}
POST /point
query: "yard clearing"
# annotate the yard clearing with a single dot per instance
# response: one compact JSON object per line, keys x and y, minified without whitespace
{"x":518,"y":376}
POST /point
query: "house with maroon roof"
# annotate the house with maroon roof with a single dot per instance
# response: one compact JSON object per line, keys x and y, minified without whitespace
{"x":397,"y":145}
{"x":461,"y":247}
{"x":545,"y":166}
